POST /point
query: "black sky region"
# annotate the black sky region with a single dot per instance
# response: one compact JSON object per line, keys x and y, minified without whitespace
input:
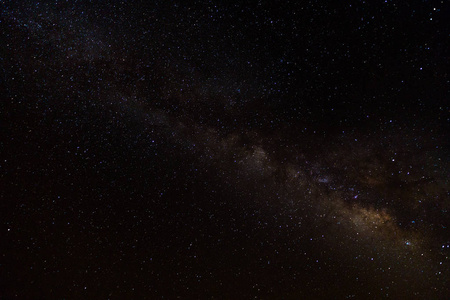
{"x":226,"y":150}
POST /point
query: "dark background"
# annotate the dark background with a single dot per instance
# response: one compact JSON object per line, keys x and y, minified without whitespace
{"x":228,"y":150}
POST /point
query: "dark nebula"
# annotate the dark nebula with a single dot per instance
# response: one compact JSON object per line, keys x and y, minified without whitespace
{"x":199,"y":150}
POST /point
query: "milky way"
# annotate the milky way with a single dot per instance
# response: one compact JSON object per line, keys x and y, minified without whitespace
{"x":168,"y":150}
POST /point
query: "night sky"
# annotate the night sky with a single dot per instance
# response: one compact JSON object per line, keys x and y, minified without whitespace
{"x":209,"y":149}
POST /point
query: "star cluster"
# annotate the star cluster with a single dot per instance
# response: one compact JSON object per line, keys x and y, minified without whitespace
{"x":294,"y":149}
